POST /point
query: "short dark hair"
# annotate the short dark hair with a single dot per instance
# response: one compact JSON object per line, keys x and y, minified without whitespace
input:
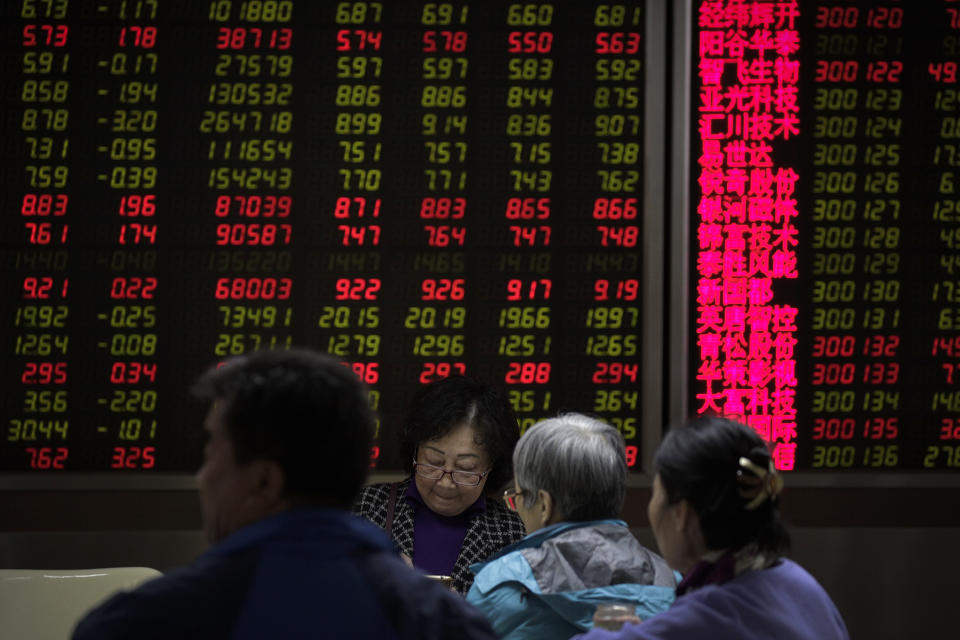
{"x":699,"y":462}
{"x":302,"y":409}
{"x":438,"y":407}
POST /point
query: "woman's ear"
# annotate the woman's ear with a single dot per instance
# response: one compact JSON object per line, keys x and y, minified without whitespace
{"x":271,"y":482}
{"x":687,"y":524}
{"x":547,"y":513}
{"x":683,"y":515}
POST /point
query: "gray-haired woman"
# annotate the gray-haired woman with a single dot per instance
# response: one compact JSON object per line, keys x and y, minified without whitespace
{"x":569,"y":485}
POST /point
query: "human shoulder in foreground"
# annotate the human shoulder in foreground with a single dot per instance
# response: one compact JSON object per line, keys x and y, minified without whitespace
{"x":288,"y":560}
{"x":714,"y":514}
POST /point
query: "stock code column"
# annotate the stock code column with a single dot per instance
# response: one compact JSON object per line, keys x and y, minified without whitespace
{"x":38,"y":214}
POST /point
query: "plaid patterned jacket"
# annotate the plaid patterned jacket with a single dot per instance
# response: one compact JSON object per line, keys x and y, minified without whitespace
{"x":488,"y":532}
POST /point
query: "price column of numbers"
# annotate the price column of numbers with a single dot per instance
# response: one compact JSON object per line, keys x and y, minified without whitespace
{"x":856,"y":236}
{"x":39,"y":430}
{"x":942,"y":330}
{"x":130,"y":156}
{"x":248,"y":127}
{"x":350,"y":325}
{"x":439,"y":318}
{"x":881,"y":290}
{"x":613,"y":321}
{"x":525,"y":339}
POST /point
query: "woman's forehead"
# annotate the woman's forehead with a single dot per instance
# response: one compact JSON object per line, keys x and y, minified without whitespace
{"x":462,"y":440}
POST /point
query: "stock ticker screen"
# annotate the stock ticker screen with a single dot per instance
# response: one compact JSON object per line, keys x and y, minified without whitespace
{"x":418,"y":188}
{"x":825,"y":246}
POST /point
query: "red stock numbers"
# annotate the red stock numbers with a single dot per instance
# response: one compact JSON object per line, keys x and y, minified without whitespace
{"x":849,"y":17}
{"x":133,"y":458}
{"x":432,"y":371}
{"x":617,"y":42}
{"x":44,"y":287}
{"x":45,"y":35}
{"x":604,"y":289}
{"x":133,"y":372}
{"x":446,"y":41}
{"x":133,"y":288}
{"x":615,"y":372}
{"x":252,"y":235}
{"x":445,"y":235}
{"x":368,"y":372}
{"x":48,"y":457}
{"x":539,"y":289}
{"x":442,"y":289}
{"x":137,"y":36}
{"x":359,"y":40}
{"x":254,"y":38}
{"x":253,"y":288}
{"x":443,"y":208}
{"x":357,"y":206}
{"x":357,"y":288}
{"x":259,"y":206}
{"x":136,"y":205}
{"x":44,"y":373}
{"x":44,"y":204}
{"x":530,"y":41}
{"x":527,"y":373}
{"x":527,"y":209}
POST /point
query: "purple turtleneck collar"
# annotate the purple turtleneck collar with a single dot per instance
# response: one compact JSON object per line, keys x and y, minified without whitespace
{"x":437,"y":539}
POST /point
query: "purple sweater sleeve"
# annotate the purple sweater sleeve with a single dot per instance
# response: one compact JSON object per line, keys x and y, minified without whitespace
{"x":783,"y":602}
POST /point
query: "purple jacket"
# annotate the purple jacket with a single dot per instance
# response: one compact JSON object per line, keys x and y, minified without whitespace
{"x":783,"y":602}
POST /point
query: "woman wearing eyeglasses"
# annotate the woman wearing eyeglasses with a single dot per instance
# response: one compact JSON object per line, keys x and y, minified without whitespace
{"x":459,"y":435}
{"x":570,"y":477}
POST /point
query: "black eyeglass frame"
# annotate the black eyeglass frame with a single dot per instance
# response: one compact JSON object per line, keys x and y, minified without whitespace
{"x":510,"y":497}
{"x":473,"y":474}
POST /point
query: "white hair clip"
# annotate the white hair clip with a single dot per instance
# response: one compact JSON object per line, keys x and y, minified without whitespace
{"x":760,"y":485}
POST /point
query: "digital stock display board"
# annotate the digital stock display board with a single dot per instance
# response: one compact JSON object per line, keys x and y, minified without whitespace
{"x":825,"y":232}
{"x":418,"y":188}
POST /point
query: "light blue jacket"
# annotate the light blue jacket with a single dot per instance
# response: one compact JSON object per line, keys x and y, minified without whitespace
{"x":549,"y":584}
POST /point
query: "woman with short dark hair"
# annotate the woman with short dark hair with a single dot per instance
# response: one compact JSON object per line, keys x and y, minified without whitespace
{"x":714,"y":515}
{"x":458,"y":436}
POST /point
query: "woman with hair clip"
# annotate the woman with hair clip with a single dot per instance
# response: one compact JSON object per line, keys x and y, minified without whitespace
{"x":714,"y":514}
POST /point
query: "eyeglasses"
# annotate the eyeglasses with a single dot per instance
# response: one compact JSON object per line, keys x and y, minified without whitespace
{"x":510,"y":497}
{"x":463,"y":478}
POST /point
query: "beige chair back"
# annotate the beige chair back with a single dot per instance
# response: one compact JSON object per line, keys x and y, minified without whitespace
{"x":37,"y":604}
